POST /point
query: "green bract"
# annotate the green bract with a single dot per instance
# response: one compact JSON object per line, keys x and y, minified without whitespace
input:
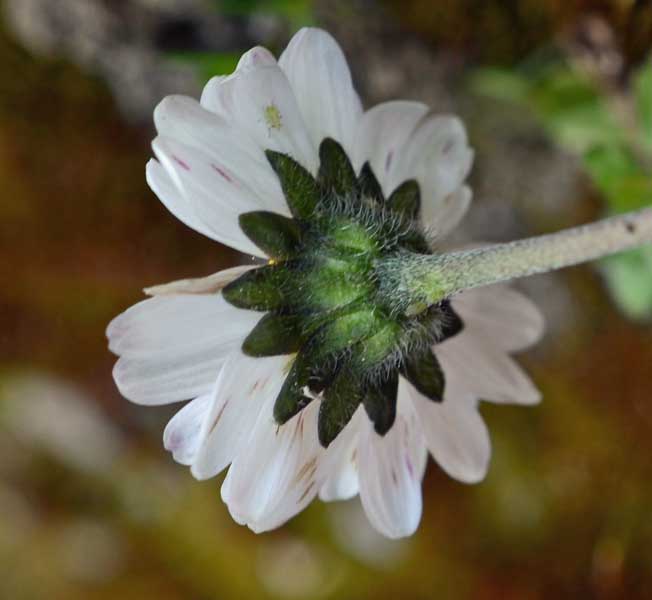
{"x":325,"y":300}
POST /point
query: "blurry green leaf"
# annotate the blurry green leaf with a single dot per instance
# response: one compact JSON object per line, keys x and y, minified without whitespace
{"x":643,"y":90}
{"x":209,"y":64}
{"x":297,"y":12}
{"x":619,"y":177}
{"x":629,"y":276}
{"x":500,"y":84}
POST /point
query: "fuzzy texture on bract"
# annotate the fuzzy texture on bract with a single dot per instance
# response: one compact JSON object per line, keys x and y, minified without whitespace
{"x":185,"y":343}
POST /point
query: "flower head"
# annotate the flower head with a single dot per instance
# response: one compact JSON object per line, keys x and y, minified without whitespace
{"x":323,"y":370}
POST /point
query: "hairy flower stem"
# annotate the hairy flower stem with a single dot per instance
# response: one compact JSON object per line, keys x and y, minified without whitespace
{"x":430,"y":279}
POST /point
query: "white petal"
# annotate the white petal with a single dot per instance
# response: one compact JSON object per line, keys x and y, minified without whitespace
{"x":259,"y":102}
{"x":340,"y":462}
{"x":181,"y":435}
{"x":380,"y":136}
{"x":200,"y":285}
{"x":319,"y":75}
{"x":389,"y":472}
{"x":217,"y":196}
{"x":446,"y":216}
{"x":244,"y":387}
{"x":437,"y":154}
{"x":172,"y":347}
{"x":500,"y":313}
{"x":477,"y":364}
{"x":183,"y":119}
{"x":172,"y":198}
{"x":455,"y":434}
{"x":256,"y":57}
{"x":278,"y":474}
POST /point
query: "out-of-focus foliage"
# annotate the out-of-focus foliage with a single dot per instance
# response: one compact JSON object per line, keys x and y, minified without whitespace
{"x":611,"y":129}
{"x":209,"y":64}
{"x":505,"y":31}
{"x":296,"y":13}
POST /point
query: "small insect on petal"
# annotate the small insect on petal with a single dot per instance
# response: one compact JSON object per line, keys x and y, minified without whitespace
{"x":273,"y":116}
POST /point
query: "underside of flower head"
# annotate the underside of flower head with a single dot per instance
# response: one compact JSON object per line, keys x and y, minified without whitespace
{"x":329,"y":369}
{"x":325,"y":301}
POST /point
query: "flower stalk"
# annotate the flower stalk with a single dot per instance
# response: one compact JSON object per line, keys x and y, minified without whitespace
{"x":431,"y":278}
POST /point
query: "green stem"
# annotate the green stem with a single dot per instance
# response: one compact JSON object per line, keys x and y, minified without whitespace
{"x":432,"y":278}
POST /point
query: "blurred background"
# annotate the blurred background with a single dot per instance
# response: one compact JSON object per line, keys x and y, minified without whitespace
{"x":557,"y":96}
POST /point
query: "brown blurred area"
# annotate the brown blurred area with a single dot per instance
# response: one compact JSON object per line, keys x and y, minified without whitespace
{"x":91,"y":506}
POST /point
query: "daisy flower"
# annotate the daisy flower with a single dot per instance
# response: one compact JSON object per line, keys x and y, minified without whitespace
{"x":351,"y":349}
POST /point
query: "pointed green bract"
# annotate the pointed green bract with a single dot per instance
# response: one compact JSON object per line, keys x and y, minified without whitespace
{"x":259,"y":289}
{"x":346,"y":330}
{"x":341,"y":399}
{"x":331,"y":283}
{"x":335,"y":171}
{"x":300,"y":188}
{"x":424,"y":372}
{"x":451,"y":322}
{"x":274,"y":335}
{"x":327,"y":297}
{"x":406,"y":199}
{"x":276,"y":235}
{"x":369,"y":185}
{"x":291,"y":399}
{"x":380,"y":403}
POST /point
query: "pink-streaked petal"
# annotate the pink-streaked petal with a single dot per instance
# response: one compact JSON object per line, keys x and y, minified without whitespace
{"x":380,"y":136}
{"x":244,"y":387}
{"x":477,"y":365}
{"x":502,"y":314}
{"x":181,"y":436}
{"x":217,"y":195}
{"x":454,"y":433}
{"x":389,"y":473}
{"x":321,"y":80}
{"x":340,"y":462}
{"x":438,"y":156}
{"x":173,"y":199}
{"x":184,"y":120}
{"x":277,"y":476}
{"x":172,"y":347}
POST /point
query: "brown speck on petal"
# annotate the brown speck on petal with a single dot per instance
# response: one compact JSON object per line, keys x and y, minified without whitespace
{"x":219,"y":416}
{"x":311,"y":465}
{"x":307,"y":491}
